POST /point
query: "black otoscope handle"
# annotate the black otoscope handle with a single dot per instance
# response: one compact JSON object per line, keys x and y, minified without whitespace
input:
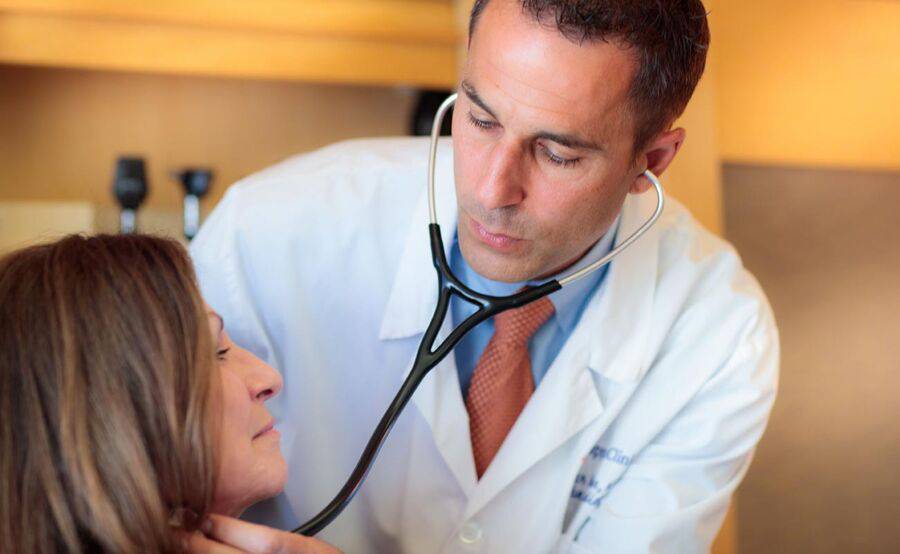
{"x":130,"y":190}
{"x":426,"y":358}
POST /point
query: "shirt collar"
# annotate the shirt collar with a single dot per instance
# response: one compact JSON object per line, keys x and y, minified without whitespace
{"x":568,"y":301}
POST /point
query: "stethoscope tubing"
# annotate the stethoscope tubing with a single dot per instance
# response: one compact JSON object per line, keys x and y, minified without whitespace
{"x":428,"y":355}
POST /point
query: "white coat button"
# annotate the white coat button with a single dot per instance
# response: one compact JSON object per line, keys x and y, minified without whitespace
{"x":470,"y":533}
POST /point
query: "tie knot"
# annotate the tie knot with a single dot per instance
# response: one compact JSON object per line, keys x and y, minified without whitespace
{"x":519,"y":324}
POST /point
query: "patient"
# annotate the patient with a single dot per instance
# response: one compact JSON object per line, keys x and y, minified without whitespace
{"x":128,"y":416}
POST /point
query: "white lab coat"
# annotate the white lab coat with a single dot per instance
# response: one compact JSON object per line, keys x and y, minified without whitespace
{"x":633,"y":441}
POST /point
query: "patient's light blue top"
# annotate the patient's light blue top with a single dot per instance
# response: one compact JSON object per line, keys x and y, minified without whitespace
{"x":546,"y":343}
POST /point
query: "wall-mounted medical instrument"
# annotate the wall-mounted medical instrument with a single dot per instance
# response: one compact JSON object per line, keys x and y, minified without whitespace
{"x":196,"y":183}
{"x":431,"y":351}
{"x":130,"y":190}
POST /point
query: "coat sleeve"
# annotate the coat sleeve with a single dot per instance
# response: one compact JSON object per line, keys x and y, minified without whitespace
{"x":674,"y":496}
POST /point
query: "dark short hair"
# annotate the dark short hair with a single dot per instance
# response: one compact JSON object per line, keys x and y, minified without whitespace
{"x":669,"y":37}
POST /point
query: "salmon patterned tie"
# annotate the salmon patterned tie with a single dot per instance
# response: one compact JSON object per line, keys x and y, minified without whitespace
{"x":502,"y":382}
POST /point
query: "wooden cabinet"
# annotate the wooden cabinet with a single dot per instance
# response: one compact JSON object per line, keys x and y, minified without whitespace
{"x":383,"y":42}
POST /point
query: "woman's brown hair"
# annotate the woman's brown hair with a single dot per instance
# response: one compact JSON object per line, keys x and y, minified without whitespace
{"x":107,"y":386}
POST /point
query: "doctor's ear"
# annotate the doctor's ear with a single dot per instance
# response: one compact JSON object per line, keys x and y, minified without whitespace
{"x":656,"y":157}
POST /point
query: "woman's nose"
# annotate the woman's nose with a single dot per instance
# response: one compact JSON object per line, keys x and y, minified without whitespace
{"x":263,"y":381}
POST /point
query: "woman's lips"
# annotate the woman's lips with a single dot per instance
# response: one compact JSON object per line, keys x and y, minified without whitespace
{"x":269,"y":429}
{"x":497,"y":241}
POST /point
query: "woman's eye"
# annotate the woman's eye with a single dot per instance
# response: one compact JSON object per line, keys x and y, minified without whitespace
{"x":557,"y":160}
{"x":480,"y":123}
{"x":220,"y":354}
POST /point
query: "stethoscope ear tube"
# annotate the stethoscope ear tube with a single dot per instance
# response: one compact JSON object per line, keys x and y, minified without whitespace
{"x":432,"y":153}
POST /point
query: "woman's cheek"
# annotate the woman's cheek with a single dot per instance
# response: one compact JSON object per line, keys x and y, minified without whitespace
{"x":236,"y":409}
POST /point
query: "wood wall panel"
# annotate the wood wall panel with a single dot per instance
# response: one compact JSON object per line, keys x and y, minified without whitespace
{"x":381,"y":42}
{"x":396,"y":20}
{"x":146,"y":47}
{"x":62,"y":129}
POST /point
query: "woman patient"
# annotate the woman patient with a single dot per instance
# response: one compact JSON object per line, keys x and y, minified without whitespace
{"x":128,"y":416}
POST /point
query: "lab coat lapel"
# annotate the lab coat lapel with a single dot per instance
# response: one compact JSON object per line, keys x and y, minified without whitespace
{"x":408,"y":312}
{"x":562,"y":406}
{"x":439,"y":400}
{"x":609,"y":340}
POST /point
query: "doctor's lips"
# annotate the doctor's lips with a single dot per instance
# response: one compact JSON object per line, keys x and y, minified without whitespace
{"x":497,"y":241}
{"x":268,"y":429}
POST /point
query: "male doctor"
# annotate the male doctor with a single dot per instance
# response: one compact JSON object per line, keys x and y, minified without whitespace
{"x":618,"y":415}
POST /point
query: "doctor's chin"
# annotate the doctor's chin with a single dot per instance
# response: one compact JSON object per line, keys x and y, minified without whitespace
{"x":449,"y":276}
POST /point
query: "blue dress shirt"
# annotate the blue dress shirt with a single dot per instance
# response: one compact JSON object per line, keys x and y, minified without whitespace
{"x":569,"y":302}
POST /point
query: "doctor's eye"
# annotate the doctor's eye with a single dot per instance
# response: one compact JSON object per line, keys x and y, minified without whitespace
{"x":557,"y":160}
{"x":480,"y":123}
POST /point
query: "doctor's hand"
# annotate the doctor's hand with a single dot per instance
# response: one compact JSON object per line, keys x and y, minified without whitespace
{"x":227,"y":535}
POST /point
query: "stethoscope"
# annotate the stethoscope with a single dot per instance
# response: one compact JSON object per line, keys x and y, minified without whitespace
{"x":428,"y":356}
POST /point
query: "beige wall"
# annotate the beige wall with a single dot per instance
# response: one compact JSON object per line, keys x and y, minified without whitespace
{"x":824,"y":245}
{"x":694,"y":177}
{"x":808,"y":82}
{"x":24,"y":223}
{"x":814,"y":84}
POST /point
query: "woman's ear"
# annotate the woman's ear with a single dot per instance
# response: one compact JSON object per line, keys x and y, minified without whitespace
{"x":658,"y":155}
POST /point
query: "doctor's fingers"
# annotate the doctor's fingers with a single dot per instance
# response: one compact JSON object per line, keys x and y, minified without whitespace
{"x":196,"y":543}
{"x":259,"y":539}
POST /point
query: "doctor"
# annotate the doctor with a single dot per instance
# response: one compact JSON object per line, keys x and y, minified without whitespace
{"x":620,"y":415}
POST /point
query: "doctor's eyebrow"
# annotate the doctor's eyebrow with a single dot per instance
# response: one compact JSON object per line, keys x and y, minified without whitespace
{"x":565,"y":139}
{"x":473,"y":96}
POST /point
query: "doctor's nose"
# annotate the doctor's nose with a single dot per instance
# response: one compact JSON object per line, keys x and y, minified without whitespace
{"x":502,"y":184}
